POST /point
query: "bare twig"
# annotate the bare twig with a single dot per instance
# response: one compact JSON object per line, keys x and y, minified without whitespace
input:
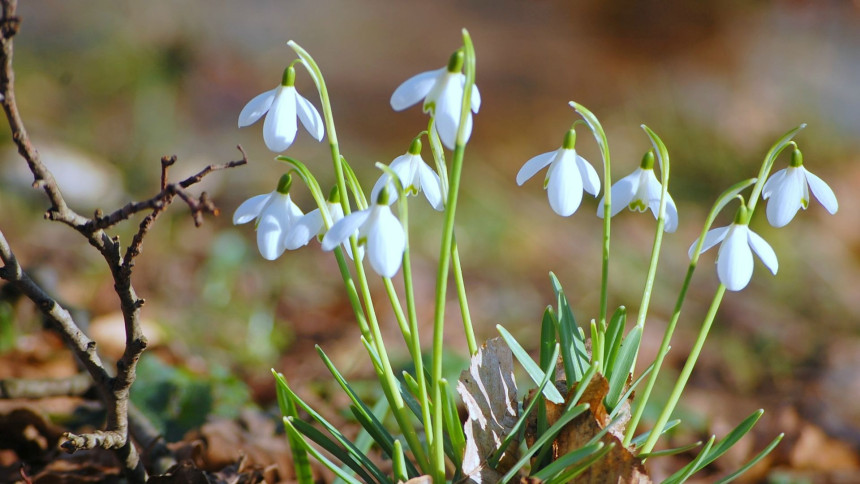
{"x":113,"y":390}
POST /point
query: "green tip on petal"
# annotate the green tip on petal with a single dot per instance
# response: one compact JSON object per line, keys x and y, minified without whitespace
{"x":796,"y":158}
{"x":415,"y":147}
{"x":455,"y":63}
{"x":569,"y":140}
{"x":647,"y":161}
{"x":334,"y":195}
{"x":284,"y":183}
{"x":289,"y":77}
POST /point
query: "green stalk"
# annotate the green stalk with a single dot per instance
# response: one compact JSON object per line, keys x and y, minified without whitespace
{"x":464,"y":303}
{"x":603,"y":144}
{"x":685,"y":372}
{"x":389,"y":381}
{"x":436,"y":446}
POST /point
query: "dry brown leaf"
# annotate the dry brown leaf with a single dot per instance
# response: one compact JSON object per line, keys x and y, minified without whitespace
{"x":490,"y":393}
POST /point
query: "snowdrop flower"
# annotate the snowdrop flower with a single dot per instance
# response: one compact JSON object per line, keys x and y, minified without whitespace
{"x":378,"y":229}
{"x":567,"y":176}
{"x":283,"y":104}
{"x":735,"y":260}
{"x":788,"y":190}
{"x":415,"y":176}
{"x":640,"y":191}
{"x":442,"y":92}
{"x":276,"y":215}
{"x":311,"y":224}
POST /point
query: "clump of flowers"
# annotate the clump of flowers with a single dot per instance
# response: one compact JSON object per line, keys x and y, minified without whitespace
{"x":583,"y":420}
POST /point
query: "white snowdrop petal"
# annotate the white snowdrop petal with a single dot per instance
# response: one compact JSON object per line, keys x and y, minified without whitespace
{"x":431,"y":185}
{"x":414,"y":89}
{"x":735,"y":260}
{"x":301,"y":232}
{"x":256,"y":108}
{"x":621,"y":194}
{"x":764,"y":251}
{"x":588,"y":175}
{"x":250,"y":209}
{"x":475,"y":103}
{"x":822,"y":192}
{"x":535,"y":165}
{"x":269,"y":232}
{"x":671,"y":223}
{"x":310,"y":117}
{"x":279,"y":128}
{"x":772,"y":183}
{"x":386,"y":243}
{"x":345,"y":227}
{"x":712,"y":238}
{"x":565,"y":186}
{"x":786,"y":198}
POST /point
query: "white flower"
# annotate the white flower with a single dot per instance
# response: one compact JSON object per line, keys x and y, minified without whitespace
{"x":640,"y":191}
{"x":276,"y":215}
{"x":311,"y":225}
{"x":379,"y":230}
{"x":566,"y":178}
{"x":415,"y":176}
{"x":788,"y":190}
{"x":735,"y":260}
{"x":283,"y":104}
{"x":442,"y":92}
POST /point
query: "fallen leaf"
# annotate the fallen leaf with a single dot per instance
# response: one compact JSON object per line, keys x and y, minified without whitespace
{"x":490,"y":393}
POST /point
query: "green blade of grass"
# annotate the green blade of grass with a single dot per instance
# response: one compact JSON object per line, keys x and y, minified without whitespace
{"x":753,"y":461}
{"x":578,"y":469}
{"x":304,"y":473}
{"x":639,"y":439}
{"x":569,"y":459}
{"x":613,"y":335}
{"x":665,"y":452}
{"x":537,"y":375}
{"x":623,"y":366}
{"x":344,"y":456}
{"x":690,"y":469}
{"x":291,"y":430}
{"x":453,"y":427}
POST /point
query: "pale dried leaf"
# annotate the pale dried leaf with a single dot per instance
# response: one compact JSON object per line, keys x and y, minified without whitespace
{"x":490,"y":393}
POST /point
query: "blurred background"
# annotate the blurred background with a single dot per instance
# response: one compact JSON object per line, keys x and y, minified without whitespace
{"x":108,"y":88}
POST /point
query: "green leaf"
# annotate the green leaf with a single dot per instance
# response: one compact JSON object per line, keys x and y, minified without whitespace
{"x":515,"y":430}
{"x":731,"y":439}
{"x":547,"y":436}
{"x":623,"y":366}
{"x":753,"y":461}
{"x":399,"y":463}
{"x":291,"y":430}
{"x":304,"y":473}
{"x":665,"y":452}
{"x":573,"y":351}
{"x":631,"y":389}
{"x":550,"y":392}
{"x":569,"y":459}
{"x":347,"y":458}
{"x":640,"y":439}
{"x":453,"y":427}
{"x":613,"y":335}
{"x":576,"y":470}
{"x":690,"y":469}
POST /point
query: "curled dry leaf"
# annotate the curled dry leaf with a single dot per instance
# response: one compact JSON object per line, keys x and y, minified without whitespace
{"x":490,"y":393}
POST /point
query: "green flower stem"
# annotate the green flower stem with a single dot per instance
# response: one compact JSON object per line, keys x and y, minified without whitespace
{"x":436,"y":444}
{"x":642,"y":400}
{"x":603,"y":144}
{"x":389,"y":382}
{"x":766,"y":166}
{"x":464,"y":303}
{"x":685,"y":372}
{"x":413,"y":343}
{"x":402,"y":323}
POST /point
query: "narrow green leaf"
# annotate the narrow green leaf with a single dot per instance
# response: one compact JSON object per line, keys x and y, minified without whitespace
{"x":363,"y":441}
{"x":753,"y":461}
{"x":689,"y":469}
{"x":631,"y":389}
{"x":548,"y":436}
{"x":550,"y":392}
{"x":453,"y":426}
{"x":547,"y":338}
{"x":623,"y":366}
{"x":566,"y":460}
{"x":731,"y":439}
{"x":345,"y":457}
{"x":665,"y":452}
{"x":291,"y":430}
{"x":613,"y":335}
{"x":304,"y":473}
{"x":640,"y":439}
{"x":567,"y":334}
{"x":578,"y":469}
{"x":398,"y":461}
{"x":515,"y":430}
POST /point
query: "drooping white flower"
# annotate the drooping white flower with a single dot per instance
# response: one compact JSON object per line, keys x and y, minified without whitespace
{"x":283,"y":104}
{"x":442,"y":92}
{"x":734,"y":259}
{"x":568,"y":175}
{"x":378,"y":230}
{"x":788,"y":190}
{"x":312,"y":225}
{"x":640,"y":191}
{"x":276,"y":215}
{"x":415,"y":176}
